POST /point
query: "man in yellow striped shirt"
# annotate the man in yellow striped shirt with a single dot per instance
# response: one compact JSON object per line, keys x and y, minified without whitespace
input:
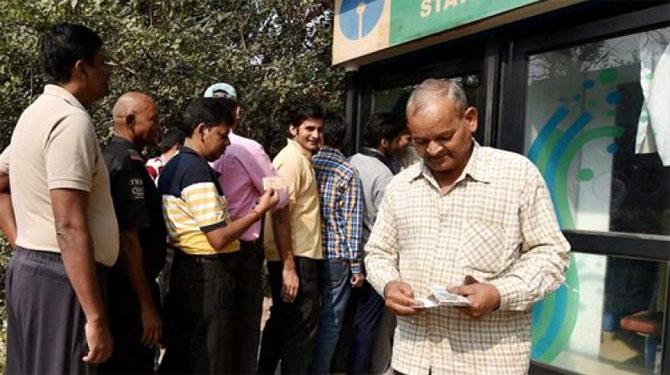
{"x":199,"y":306}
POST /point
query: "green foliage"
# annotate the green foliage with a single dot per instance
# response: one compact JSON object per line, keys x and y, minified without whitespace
{"x":275,"y":52}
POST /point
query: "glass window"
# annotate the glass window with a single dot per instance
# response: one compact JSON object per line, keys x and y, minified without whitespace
{"x":596,"y":128}
{"x":607,"y":319}
{"x":395,"y":99}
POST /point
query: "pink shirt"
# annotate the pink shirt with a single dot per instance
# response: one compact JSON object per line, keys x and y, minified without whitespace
{"x":242,"y":168}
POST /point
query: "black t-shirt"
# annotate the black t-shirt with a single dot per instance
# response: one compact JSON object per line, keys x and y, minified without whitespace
{"x":137,"y":202}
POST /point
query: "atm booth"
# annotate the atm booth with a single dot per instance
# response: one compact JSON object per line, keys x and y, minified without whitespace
{"x":582,"y":88}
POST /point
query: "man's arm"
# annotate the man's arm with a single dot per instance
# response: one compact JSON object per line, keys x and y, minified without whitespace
{"x":7,"y":221}
{"x":353,"y":218}
{"x":133,"y":263}
{"x":381,"y":261}
{"x":74,"y":240}
{"x":259,"y":167}
{"x":281,"y":226}
{"x":544,"y":251}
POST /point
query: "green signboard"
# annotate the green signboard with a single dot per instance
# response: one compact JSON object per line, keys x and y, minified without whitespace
{"x":415,"y":19}
{"x":363,"y":27}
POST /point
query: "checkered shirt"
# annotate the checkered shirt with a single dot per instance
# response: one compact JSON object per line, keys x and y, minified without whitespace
{"x":496,"y":224}
{"x":341,"y":198}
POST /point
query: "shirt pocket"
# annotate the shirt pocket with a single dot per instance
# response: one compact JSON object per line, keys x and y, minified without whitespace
{"x":482,"y":252}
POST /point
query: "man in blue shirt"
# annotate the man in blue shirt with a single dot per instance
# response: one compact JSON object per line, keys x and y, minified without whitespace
{"x":341,"y":199}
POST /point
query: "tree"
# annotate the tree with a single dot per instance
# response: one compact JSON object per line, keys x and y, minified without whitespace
{"x":275,"y":52}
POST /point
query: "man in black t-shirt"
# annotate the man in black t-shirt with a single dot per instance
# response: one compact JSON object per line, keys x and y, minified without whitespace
{"x":133,"y":302}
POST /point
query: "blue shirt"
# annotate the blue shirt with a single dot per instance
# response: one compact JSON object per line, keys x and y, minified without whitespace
{"x":341,"y":198}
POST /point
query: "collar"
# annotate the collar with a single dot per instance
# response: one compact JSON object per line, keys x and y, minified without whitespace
{"x":187,"y":150}
{"x":296,"y":146}
{"x":57,"y":91}
{"x":332,"y":151}
{"x":370,"y":150}
{"x":123,"y":141}
{"x":374,"y":153}
{"x":474,"y":169}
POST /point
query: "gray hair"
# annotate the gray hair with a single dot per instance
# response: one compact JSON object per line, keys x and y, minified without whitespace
{"x":432,"y":89}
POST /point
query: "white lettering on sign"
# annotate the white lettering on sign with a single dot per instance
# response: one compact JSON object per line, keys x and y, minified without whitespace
{"x":430,"y":6}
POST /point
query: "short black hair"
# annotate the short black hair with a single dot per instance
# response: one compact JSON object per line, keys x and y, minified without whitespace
{"x":172,"y":137}
{"x":383,"y":125}
{"x":334,"y":129}
{"x":229,"y":101}
{"x":210,"y":111}
{"x":64,"y":45}
{"x":298,"y":115}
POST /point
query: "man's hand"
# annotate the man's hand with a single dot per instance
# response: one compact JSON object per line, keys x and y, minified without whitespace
{"x":152,"y":327}
{"x":99,"y":341}
{"x":290,"y":283}
{"x":484,"y":297}
{"x":400,"y":298}
{"x":357,"y":280}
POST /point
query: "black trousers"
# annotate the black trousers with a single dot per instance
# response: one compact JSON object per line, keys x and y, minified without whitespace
{"x":45,"y":322}
{"x":210,"y":313}
{"x":248,"y":308}
{"x":130,"y":356}
{"x":291,"y":329}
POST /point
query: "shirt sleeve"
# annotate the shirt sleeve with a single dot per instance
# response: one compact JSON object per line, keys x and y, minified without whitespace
{"x":290,"y":172}
{"x":4,"y":160}
{"x":381,"y":251}
{"x":71,"y":153}
{"x":205,"y":205}
{"x":544,"y":251}
{"x":128,"y":193}
{"x":353,"y":217}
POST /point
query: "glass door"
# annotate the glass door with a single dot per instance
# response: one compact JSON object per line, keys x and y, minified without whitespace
{"x":595,"y":121}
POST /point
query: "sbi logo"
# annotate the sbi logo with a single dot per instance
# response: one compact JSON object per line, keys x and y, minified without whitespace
{"x":359,"y":17}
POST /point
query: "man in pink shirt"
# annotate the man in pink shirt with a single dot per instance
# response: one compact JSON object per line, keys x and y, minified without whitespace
{"x":243,"y":167}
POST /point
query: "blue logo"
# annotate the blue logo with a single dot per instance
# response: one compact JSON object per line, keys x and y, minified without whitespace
{"x":359,"y":17}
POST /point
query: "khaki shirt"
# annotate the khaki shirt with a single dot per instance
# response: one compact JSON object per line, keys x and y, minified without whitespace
{"x":54,"y":146}
{"x":496,"y":224}
{"x":293,"y":164}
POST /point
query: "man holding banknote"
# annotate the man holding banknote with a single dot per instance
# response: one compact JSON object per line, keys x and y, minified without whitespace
{"x":470,"y":220}
{"x":242,"y":168}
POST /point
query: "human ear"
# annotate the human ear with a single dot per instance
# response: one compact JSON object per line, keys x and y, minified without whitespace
{"x":470,"y":115}
{"x":80,"y":69}
{"x":293,"y":130}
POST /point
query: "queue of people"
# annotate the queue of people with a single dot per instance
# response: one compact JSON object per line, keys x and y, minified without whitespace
{"x":115,"y":256}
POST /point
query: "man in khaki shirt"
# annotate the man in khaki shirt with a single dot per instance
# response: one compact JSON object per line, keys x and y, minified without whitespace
{"x":63,"y":218}
{"x":473,"y":219}
{"x":293,"y":258}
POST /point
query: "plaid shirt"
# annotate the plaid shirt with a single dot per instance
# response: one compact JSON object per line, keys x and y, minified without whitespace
{"x":341,"y":198}
{"x":496,"y":224}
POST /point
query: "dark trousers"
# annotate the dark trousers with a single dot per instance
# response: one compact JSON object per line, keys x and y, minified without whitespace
{"x":248,"y":308}
{"x":212,"y":313}
{"x":130,"y":356}
{"x":291,"y":329}
{"x":366,"y":353}
{"x":45,"y":322}
{"x":198,"y":321}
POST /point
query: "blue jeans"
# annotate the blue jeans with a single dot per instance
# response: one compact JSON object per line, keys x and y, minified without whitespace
{"x":335,"y":289}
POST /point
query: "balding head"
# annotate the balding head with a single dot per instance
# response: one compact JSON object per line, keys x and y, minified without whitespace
{"x":136,"y":118}
{"x":432,"y":90}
